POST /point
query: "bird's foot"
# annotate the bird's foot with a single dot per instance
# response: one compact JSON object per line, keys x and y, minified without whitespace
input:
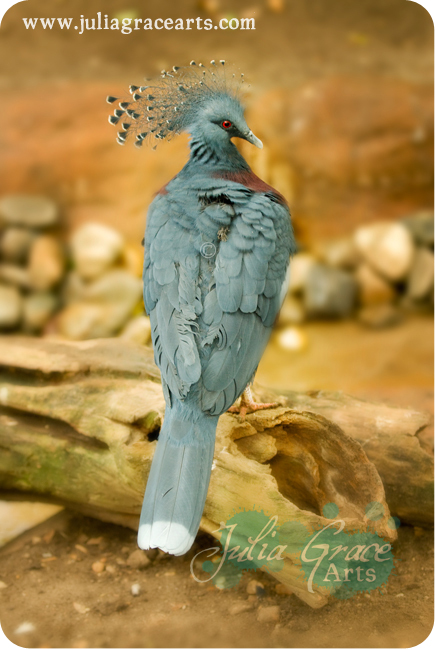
{"x":249,"y":405}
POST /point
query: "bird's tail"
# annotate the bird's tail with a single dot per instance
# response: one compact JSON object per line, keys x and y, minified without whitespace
{"x":178,"y":482}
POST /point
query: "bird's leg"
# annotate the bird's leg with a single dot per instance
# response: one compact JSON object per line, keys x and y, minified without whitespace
{"x":248,"y":405}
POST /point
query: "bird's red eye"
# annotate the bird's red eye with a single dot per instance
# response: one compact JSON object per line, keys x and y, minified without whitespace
{"x":226,"y":124}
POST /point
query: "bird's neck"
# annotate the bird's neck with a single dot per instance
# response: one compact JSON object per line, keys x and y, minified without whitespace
{"x":221,"y":154}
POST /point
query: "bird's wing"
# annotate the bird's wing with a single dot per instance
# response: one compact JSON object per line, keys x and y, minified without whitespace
{"x":171,"y":293}
{"x":214,"y":337}
{"x":250,"y":281}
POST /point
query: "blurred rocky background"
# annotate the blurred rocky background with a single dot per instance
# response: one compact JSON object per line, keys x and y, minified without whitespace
{"x":88,"y":285}
{"x":346,"y":114}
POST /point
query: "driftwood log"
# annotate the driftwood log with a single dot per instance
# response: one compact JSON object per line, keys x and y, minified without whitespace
{"x":79,"y":421}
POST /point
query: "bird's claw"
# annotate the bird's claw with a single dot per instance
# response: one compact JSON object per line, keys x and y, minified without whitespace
{"x":250,"y":407}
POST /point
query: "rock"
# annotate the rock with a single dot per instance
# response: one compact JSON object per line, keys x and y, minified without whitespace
{"x":11,"y":307}
{"x":268,"y":614}
{"x":15,"y":244}
{"x":37,"y":309}
{"x":135,"y":589}
{"x":29,"y":211}
{"x":73,"y":288}
{"x":46,"y":263}
{"x":329,"y":293}
{"x":301,"y":265}
{"x":95,"y":248}
{"x":82,"y":321}
{"x":373,"y":289}
{"x":292,"y":311}
{"x":387,"y":247}
{"x":421,"y":277}
{"x":25,"y":628}
{"x":105,"y":307}
{"x":111,"y":568}
{"x":240,"y":607}
{"x":16,"y":275}
{"x":379,"y":316}
{"x":255,"y":588}
{"x":260,"y":447}
{"x":138,"y":560}
{"x":283,"y":590}
{"x":421,"y":227}
{"x":98,"y":566}
{"x":80,"y":608}
{"x":339,"y":253}
{"x":137,"y":330}
{"x":292,"y":338}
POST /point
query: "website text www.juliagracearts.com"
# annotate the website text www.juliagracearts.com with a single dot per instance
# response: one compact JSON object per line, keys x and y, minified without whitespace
{"x":127,"y":25}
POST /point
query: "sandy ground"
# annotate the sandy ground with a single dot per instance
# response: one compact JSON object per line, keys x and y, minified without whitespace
{"x":52,"y":586}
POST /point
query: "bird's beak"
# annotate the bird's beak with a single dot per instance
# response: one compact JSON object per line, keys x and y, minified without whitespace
{"x":250,"y":137}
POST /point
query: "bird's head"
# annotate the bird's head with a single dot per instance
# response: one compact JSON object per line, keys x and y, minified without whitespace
{"x":203,"y":101}
{"x":221,"y":118}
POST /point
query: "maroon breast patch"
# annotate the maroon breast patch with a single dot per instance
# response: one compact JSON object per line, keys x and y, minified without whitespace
{"x":252,"y":182}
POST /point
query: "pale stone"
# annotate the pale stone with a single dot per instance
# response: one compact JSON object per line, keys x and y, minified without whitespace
{"x":28,"y":210}
{"x":292,"y":338}
{"x":46,"y":263}
{"x":421,"y":227}
{"x":15,"y":244}
{"x":268,"y":614}
{"x":135,"y":589}
{"x":95,"y":248}
{"x":16,"y":275}
{"x":137,"y":330}
{"x":104,"y":308}
{"x":254,"y":586}
{"x":138,"y":560}
{"x":25,"y":628}
{"x":80,"y":608}
{"x":240,"y":607}
{"x":11,"y":306}
{"x":387,"y":247}
{"x":421,"y":277}
{"x":73,"y":287}
{"x":373,"y":289}
{"x":98,"y":566}
{"x":37,"y":309}
{"x":301,"y":264}
{"x":339,"y":253}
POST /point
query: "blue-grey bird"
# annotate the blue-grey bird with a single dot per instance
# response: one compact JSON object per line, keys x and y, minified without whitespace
{"x":217,"y":247}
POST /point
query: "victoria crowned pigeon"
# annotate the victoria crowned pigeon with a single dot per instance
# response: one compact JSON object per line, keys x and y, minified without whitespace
{"x":217,"y":246}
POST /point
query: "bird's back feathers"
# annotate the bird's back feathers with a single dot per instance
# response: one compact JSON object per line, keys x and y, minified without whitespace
{"x":213,"y":296}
